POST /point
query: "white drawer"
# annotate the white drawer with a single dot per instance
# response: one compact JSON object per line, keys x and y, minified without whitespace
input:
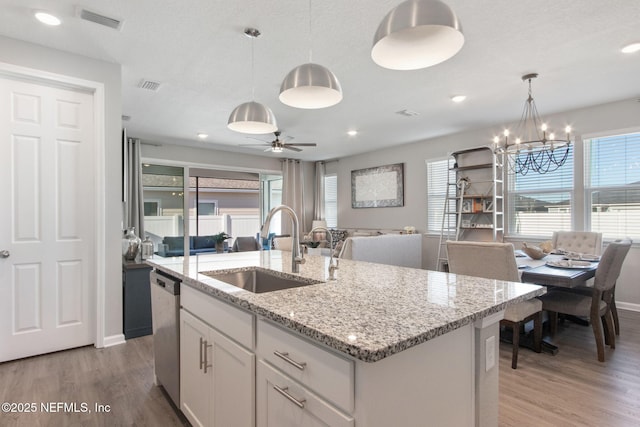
{"x":321,"y":370}
{"x":231,"y":321}
{"x":282,"y":402}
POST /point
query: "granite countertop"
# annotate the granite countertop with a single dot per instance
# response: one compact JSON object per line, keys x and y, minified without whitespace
{"x":369,"y":312}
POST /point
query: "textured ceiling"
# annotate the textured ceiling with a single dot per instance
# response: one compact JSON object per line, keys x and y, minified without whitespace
{"x":197,"y":51}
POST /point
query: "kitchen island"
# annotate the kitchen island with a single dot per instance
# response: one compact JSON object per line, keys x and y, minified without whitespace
{"x":391,"y":345}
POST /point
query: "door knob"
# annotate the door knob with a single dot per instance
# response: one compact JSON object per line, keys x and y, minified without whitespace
{"x":4,"y":254}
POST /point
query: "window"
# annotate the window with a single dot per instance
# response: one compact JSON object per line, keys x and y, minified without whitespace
{"x":151,"y":207}
{"x":437,"y":174}
{"x":208,"y":208}
{"x":612,"y":185}
{"x":271,"y":193}
{"x":541,"y":203}
{"x":163,"y":188}
{"x":331,"y":200}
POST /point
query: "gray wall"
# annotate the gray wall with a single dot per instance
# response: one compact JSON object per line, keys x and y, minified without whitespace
{"x":37,"y":57}
{"x":587,"y":121}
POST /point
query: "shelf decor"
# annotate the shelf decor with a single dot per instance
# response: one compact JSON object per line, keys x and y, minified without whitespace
{"x":378,"y":187}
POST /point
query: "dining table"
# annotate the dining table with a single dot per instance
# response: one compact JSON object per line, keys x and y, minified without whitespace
{"x":556,"y":270}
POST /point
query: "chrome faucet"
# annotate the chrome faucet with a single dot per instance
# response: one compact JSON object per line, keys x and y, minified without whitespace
{"x":296,"y":254}
{"x":333,"y":266}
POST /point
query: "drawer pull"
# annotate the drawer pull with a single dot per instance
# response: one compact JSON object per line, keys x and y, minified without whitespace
{"x":283,"y":391}
{"x":286,"y":358}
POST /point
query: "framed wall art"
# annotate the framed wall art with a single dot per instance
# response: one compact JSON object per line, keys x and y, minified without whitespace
{"x":378,"y":187}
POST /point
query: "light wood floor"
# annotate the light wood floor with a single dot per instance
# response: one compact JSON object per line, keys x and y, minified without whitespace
{"x":569,"y":389}
{"x":572,"y":388}
{"x":120,"y":376}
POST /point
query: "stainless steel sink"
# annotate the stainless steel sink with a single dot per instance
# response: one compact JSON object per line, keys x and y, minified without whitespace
{"x":260,"y":280}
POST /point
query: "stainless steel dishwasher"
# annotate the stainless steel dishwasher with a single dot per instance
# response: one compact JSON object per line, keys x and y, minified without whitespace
{"x":165,"y":313}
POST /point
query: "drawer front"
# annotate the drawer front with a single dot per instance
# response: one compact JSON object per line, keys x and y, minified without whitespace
{"x":283,"y":402}
{"x":322,"y":371}
{"x":233,"y":322}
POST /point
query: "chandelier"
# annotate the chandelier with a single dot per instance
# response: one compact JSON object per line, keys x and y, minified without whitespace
{"x":530,"y":150}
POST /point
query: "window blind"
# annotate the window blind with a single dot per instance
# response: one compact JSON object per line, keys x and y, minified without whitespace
{"x":612,"y":185}
{"x":541,"y":203}
{"x":437,"y":173}
{"x":331,"y":200}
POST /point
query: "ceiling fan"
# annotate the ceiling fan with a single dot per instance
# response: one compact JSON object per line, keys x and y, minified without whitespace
{"x":277,"y":145}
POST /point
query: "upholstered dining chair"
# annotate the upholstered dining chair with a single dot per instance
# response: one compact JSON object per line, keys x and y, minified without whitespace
{"x":583,"y":242}
{"x":244,"y":244}
{"x":597,"y":306}
{"x":588,"y":291}
{"x":493,"y":260}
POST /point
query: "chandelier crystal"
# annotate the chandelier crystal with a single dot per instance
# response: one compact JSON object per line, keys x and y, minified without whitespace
{"x":534,"y":148}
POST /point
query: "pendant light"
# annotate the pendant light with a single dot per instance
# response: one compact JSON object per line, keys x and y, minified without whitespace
{"x":252,"y":117}
{"x":310,"y":85}
{"x":417,"y":34}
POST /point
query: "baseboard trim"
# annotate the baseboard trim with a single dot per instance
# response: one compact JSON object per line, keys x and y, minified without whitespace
{"x":627,"y":306}
{"x":112,"y":340}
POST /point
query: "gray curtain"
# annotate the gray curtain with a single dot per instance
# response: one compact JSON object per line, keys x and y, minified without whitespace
{"x":134,"y":209}
{"x":293,"y":192}
{"x":318,"y":203}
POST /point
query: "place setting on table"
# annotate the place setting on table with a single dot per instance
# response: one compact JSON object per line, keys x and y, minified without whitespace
{"x":555,"y":267}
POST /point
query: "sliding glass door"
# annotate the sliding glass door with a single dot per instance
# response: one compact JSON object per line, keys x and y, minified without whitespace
{"x":163,"y":194}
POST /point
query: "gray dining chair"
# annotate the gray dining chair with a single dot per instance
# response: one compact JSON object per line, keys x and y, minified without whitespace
{"x":493,"y":260}
{"x":583,"y":242}
{"x":588,"y":291}
{"x":244,"y":244}
{"x":597,"y":306}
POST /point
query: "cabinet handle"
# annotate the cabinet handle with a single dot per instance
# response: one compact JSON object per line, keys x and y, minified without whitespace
{"x":201,"y":358}
{"x":206,"y":358}
{"x":283,"y":391}
{"x":286,"y":358}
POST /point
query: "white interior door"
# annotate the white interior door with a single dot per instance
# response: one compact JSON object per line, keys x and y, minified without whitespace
{"x":47,"y":219}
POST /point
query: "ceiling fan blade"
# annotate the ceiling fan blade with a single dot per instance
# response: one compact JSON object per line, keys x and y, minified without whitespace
{"x":254,"y":145}
{"x":310,"y":144}
{"x":268,"y":149}
{"x":289,"y":147}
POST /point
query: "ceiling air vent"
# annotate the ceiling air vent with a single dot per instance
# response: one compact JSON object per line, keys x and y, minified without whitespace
{"x":149,"y":85}
{"x":94,"y":17}
{"x":407,"y":113}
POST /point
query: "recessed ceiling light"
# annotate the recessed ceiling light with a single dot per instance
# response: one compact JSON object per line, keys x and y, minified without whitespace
{"x":458,"y":98}
{"x":631,"y":48}
{"x":47,"y":18}
{"x":352,"y":132}
{"x":202,"y":135}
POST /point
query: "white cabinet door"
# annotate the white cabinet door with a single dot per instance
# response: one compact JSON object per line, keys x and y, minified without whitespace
{"x":195,"y":384}
{"x":283,"y":402}
{"x":233,"y":383}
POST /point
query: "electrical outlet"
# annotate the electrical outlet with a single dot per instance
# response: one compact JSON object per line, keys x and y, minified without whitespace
{"x":490,"y":353}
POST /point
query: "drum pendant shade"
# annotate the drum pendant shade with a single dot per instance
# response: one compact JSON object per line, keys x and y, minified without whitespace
{"x":252,"y":117}
{"x":417,"y":34}
{"x":310,"y":86}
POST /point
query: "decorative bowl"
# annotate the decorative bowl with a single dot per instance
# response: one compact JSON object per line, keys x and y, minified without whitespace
{"x":534,"y":252}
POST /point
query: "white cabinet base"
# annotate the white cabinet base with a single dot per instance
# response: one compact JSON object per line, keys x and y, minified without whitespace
{"x":429,"y":384}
